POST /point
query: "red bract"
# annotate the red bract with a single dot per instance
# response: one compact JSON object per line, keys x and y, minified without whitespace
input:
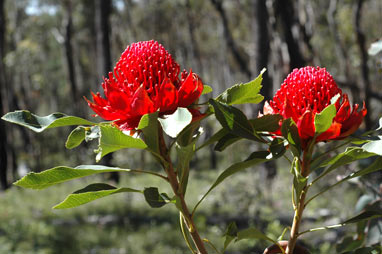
{"x":145,"y":80}
{"x":306,"y":92}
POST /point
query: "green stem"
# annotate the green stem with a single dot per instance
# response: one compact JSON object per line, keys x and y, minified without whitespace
{"x":173,"y":180}
{"x":321,"y":228}
{"x":211,"y":244}
{"x":148,"y":172}
{"x":185,"y":236}
{"x":305,"y":168}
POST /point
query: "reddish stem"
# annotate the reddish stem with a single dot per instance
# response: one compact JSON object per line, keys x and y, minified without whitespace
{"x":175,"y":187}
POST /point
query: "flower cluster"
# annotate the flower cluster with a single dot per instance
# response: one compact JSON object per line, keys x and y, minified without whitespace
{"x":146,"y":80}
{"x":306,"y":92}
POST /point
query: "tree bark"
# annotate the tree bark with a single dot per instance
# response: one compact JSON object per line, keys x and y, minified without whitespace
{"x":231,"y":44}
{"x":361,"y":41}
{"x":3,"y":133}
{"x":262,"y":51}
{"x":340,"y":50}
{"x":286,"y":18}
{"x":68,"y":23}
{"x":102,"y":22}
{"x":102,"y":27}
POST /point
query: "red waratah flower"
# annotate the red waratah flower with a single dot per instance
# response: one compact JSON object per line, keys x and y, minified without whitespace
{"x":306,"y":92}
{"x":146,"y":80}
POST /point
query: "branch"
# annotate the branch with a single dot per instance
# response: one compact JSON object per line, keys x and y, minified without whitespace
{"x":231,"y":44}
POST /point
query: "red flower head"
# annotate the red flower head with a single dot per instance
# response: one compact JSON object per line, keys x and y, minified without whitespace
{"x":306,"y":92}
{"x":145,"y":80}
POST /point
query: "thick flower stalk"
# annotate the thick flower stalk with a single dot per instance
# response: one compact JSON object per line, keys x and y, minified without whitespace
{"x":145,"y":80}
{"x":306,"y":92}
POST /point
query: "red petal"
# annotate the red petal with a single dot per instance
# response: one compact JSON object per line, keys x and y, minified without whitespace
{"x":190,"y":90}
{"x":350,"y":125}
{"x":331,"y":133}
{"x":305,"y":125}
{"x":167,"y":98}
{"x":290,"y":111}
{"x":196,"y":114}
{"x":344,"y":111}
{"x":141,"y":103}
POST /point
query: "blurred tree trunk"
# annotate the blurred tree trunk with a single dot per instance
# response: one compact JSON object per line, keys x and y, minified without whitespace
{"x":6,"y":151}
{"x":262,"y":45}
{"x":340,"y":49}
{"x":262,"y":50}
{"x":286,"y":17}
{"x":231,"y":44}
{"x":3,"y":134}
{"x":102,"y":23}
{"x":68,"y":23}
{"x":198,"y":61}
{"x":361,"y":41}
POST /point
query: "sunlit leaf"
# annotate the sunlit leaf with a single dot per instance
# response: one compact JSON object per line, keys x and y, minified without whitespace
{"x":173,"y":124}
{"x":374,"y":146}
{"x":243,"y":93}
{"x":206,"y":89}
{"x":375,"y":48}
{"x":90,"y":193}
{"x":112,"y":139}
{"x":324,"y":119}
{"x":76,"y":137}
{"x":39,"y":124}
{"x":61,"y":174}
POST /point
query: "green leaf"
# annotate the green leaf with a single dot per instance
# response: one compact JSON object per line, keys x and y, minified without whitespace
{"x":375,"y":166}
{"x":156,"y":199}
{"x":230,"y":234}
{"x":91,"y":193}
{"x":253,"y":233}
{"x":324,"y":119}
{"x":112,"y":139}
{"x":226,"y":141}
{"x":374,"y":146}
{"x":39,"y":124}
{"x":76,"y":137}
{"x":184,"y":157}
{"x":234,"y":120}
{"x":254,"y":159}
{"x":299,"y":181}
{"x":365,"y":215}
{"x":150,"y":126}
{"x":206,"y":89}
{"x":214,"y":138}
{"x":348,"y":156}
{"x":290,"y":133}
{"x":243,"y":93}
{"x":173,"y":124}
{"x":268,"y":123}
{"x":349,"y":244}
{"x":366,"y":250}
{"x":277,"y":147}
{"x":62,"y":174}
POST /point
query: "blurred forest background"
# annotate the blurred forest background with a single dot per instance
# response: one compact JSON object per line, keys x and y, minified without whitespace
{"x":52,"y":53}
